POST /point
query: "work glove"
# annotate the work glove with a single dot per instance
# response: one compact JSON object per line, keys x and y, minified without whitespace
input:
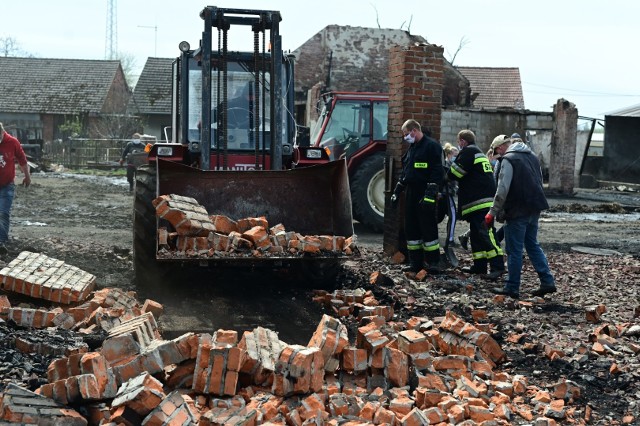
{"x":395,"y":197}
{"x":431,"y":191}
{"x":394,"y":201}
{"x":428,"y":201}
{"x":488,"y":220}
{"x":399,"y":189}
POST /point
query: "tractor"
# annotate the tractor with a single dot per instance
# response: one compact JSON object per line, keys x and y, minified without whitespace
{"x":353,"y":126}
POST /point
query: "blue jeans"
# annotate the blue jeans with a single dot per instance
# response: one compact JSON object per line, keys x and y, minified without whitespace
{"x":6,"y":200}
{"x":523,"y":232}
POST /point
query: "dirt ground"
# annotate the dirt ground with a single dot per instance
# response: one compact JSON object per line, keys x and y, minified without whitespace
{"x":592,"y":245}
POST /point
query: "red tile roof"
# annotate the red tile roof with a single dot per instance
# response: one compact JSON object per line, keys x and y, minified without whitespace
{"x":495,"y":87}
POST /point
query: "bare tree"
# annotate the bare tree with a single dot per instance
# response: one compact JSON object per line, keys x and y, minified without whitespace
{"x":128,"y":63}
{"x":116,"y":126}
{"x":463,"y":42}
{"x":408,"y":25}
{"x":377,"y":15}
{"x":9,"y":46}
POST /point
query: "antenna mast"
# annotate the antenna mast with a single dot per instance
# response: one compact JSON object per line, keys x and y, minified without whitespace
{"x":111,"y":42}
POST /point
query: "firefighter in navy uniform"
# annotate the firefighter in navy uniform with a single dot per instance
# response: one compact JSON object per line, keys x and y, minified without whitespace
{"x":422,"y":176}
{"x":476,"y":188}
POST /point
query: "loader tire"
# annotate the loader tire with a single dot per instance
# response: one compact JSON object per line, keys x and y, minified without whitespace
{"x":367,"y":192}
{"x":145,"y":266}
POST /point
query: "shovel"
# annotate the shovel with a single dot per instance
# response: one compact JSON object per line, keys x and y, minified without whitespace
{"x":451,"y":229}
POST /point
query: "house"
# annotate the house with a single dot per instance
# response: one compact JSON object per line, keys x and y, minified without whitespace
{"x":39,"y":95}
{"x":493,"y":87}
{"x":151,"y":100}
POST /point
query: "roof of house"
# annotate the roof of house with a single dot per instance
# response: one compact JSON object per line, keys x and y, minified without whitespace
{"x":630,"y":111}
{"x":152,"y":94}
{"x":494,"y":87}
{"x":55,"y":86}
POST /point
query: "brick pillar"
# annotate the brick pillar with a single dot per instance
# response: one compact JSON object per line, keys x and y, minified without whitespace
{"x":563,"y":147}
{"x":416,"y":79}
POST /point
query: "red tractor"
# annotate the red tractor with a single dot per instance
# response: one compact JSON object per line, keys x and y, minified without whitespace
{"x":353,"y":126}
{"x":231,"y":146}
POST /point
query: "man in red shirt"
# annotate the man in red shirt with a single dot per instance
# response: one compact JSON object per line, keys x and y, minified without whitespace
{"x":10,"y":153}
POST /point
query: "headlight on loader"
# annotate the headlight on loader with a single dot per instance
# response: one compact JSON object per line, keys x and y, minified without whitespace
{"x":314,"y":153}
{"x":165,"y":151}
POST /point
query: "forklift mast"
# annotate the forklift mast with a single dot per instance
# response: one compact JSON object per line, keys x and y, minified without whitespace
{"x":238,"y":101}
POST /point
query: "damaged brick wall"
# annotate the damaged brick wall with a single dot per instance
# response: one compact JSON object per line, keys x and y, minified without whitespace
{"x":348,"y":58}
{"x":416,"y":78}
{"x":356,"y":59}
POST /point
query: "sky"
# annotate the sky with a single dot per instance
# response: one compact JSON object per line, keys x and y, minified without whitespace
{"x":581,"y":51}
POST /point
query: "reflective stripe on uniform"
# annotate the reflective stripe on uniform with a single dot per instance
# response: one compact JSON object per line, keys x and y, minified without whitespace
{"x":483,"y":203}
{"x":484,"y":254}
{"x":457,"y":171}
{"x":420,"y":165}
{"x":486,"y":164}
{"x":494,"y":243}
{"x":431,"y":245}
{"x":428,"y":200}
{"x":414,"y":245}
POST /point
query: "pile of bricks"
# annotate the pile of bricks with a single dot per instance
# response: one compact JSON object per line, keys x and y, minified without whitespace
{"x":194,"y":232}
{"x":421,"y":371}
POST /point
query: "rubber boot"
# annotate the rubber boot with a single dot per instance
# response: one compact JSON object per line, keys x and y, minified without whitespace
{"x":479,"y":267}
{"x":432,"y":262}
{"x":497,"y":268}
{"x":415,"y":261}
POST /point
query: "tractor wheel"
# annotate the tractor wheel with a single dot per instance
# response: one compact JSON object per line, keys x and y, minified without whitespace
{"x":145,"y":265}
{"x":367,"y":192}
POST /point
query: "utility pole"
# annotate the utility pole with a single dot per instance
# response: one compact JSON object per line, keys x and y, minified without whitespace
{"x":111,"y":42}
{"x":155,"y":42}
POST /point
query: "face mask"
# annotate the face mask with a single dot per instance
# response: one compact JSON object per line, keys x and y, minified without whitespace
{"x":409,"y":138}
{"x":454,"y":158}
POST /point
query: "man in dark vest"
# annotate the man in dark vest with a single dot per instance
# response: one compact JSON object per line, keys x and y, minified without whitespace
{"x":518,"y":201}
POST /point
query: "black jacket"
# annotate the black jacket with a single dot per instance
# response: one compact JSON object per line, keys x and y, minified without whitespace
{"x":423,"y":164}
{"x":474,"y":173}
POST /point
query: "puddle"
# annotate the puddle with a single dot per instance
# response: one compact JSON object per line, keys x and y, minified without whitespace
{"x":590,"y":217}
{"x":102,"y":180}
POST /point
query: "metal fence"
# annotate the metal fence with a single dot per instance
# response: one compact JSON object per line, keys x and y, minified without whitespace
{"x":84,"y":153}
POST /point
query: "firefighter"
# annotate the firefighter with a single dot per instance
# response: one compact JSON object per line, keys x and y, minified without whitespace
{"x":476,"y":188}
{"x":422,"y":176}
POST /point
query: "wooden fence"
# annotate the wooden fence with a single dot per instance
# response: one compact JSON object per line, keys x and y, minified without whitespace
{"x":76,"y":153}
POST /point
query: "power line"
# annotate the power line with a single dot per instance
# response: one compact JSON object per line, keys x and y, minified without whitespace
{"x":588,"y":95}
{"x":586,"y":92}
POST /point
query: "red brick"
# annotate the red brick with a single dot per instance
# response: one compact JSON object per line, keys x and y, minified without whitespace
{"x":354,"y":359}
{"x":384,"y":416}
{"x":396,"y":366}
{"x":223,"y":224}
{"x":413,"y":342}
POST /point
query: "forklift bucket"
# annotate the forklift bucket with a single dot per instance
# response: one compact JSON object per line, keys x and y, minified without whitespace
{"x":311,"y":201}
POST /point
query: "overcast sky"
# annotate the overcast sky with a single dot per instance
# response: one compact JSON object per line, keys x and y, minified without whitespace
{"x":582,"y":51}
